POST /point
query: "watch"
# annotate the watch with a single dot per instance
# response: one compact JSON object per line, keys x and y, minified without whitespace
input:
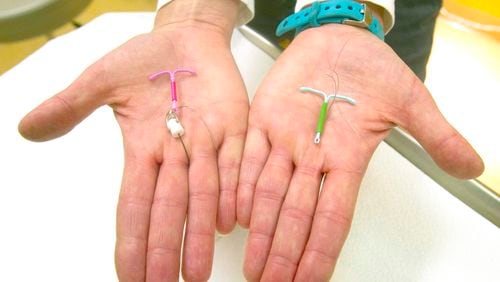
{"x":333,"y":11}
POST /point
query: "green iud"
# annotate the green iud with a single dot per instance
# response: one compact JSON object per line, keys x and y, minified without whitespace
{"x":324,"y":108}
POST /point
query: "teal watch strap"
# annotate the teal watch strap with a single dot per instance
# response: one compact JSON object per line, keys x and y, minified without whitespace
{"x":332,"y":11}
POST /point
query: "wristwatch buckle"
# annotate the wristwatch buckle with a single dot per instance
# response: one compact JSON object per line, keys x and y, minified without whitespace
{"x":367,"y":18}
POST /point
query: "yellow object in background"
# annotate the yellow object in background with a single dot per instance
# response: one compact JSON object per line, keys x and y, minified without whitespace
{"x":482,"y":15}
{"x":486,"y":6}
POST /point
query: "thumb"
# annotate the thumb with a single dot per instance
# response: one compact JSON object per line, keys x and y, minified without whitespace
{"x":59,"y":114}
{"x":445,"y":144}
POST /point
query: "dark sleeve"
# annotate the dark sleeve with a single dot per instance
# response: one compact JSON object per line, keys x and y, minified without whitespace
{"x":411,"y":36}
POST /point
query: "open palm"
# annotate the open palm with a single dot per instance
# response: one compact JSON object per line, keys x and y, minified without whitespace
{"x":296,"y":230}
{"x":159,"y":180}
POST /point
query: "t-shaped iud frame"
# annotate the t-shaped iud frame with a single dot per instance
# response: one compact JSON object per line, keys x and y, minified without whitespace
{"x":173,"y":122}
{"x":324,"y":108}
{"x":173,"y":86}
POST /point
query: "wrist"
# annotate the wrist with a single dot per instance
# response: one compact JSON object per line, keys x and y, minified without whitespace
{"x":214,"y":15}
{"x":347,"y":12}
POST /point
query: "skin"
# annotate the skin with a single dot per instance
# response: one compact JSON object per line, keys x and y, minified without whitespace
{"x":162,"y":191}
{"x":296,"y":230}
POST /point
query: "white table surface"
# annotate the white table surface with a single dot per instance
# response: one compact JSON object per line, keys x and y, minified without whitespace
{"x":58,"y":199}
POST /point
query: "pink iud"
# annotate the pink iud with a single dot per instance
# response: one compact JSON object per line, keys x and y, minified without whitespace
{"x":173,"y":86}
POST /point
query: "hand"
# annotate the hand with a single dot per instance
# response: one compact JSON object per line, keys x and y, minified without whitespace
{"x":158,"y":179}
{"x":296,"y":230}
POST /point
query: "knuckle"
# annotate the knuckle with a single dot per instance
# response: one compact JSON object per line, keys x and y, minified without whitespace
{"x":180,"y":161}
{"x":202,"y":154}
{"x":335,"y":218}
{"x":200,"y":233}
{"x":251,"y":161}
{"x":227,"y":196}
{"x":270,"y":195}
{"x":319,"y":254}
{"x":272,"y":187}
{"x":162,"y":251}
{"x":310,"y":171}
{"x":260,"y":234}
{"x":281,"y":159}
{"x":131,"y":201}
{"x":245,"y":188}
{"x":444,"y":141}
{"x":203,"y":195}
{"x":294,"y":213}
{"x":169,"y":202}
{"x":71,"y":112}
{"x":229,"y":165}
{"x":282,"y":260}
{"x":228,"y":190}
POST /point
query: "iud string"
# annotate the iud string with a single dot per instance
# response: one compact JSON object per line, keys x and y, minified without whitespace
{"x":324,"y":108}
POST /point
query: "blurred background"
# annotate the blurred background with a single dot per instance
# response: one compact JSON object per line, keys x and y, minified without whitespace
{"x":14,"y":51}
{"x":465,"y":60}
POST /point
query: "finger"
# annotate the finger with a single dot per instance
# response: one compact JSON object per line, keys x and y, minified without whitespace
{"x":202,"y":213}
{"x":138,"y":185}
{"x":168,"y":214}
{"x":255,"y":154}
{"x":229,"y":161}
{"x":331,"y":223}
{"x":443,"y":142}
{"x":59,"y":114}
{"x":294,"y":224}
{"x":269,"y":194}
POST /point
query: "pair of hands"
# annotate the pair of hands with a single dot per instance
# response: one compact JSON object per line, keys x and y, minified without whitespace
{"x":257,"y":167}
